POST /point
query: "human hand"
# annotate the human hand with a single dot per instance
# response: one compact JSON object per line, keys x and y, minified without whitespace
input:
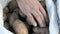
{"x":33,"y":9}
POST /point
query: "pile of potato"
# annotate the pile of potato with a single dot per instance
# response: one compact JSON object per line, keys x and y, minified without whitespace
{"x":15,"y":21}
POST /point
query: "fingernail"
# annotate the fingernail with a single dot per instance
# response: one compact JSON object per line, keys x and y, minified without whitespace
{"x":34,"y":24}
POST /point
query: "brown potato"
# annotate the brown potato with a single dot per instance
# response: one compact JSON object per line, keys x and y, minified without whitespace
{"x":12,"y":5}
{"x":20,"y":27}
{"x":13,"y":17}
{"x":4,"y":17}
{"x":38,"y":30}
{"x":6,"y":25}
{"x":5,"y":10}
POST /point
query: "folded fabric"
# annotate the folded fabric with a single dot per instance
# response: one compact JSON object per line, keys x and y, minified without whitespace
{"x":4,"y":31}
{"x":58,"y":8}
{"x":53,"y":17}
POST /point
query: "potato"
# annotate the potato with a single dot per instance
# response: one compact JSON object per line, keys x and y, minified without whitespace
{"x":4,"y":17}
{"x":13,"y":17}
{"x":6,"y":25}
{"x":20,"y":27}
{"x":12,"y":5}
{"x":5,"y":10}
{"x":38,"y":30}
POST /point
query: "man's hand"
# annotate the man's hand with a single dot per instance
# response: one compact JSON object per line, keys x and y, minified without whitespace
{"x":33,"y":9}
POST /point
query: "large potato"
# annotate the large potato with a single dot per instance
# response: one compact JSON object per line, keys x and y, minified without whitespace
{"x":20,"y":27}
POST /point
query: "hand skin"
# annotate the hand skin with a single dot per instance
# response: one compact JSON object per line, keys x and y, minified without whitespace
{"x":33,"y":7}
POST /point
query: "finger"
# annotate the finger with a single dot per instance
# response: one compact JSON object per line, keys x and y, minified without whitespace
{"x":33,"y":7}
{"x":38,"y":18}
{"x":31,"y":20}
{"x":41,"y":15}
{"x":37,"y":8}
{"x":43,"y":12}
{"x":41,"y":8}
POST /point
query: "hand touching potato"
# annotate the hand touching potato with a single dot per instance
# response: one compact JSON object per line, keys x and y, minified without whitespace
{"x":33,"y":9}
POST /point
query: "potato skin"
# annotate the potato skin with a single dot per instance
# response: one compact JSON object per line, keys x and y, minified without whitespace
{"x":38,"y":30}
{"x":20,"y":27}
{"x":12,"y":5}
{"x":5,"y":10}
{"x":4,"y":17}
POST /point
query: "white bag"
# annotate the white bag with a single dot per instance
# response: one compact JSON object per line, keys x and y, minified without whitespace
{"x":52,"y":13}
{"x":3,"y":30}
